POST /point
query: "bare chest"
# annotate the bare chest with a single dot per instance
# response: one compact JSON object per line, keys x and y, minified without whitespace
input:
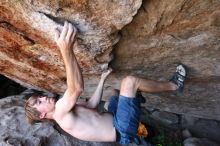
{"x":87,"y":124}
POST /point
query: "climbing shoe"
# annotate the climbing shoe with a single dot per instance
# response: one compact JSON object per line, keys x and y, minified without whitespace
{"x":179,"y":77}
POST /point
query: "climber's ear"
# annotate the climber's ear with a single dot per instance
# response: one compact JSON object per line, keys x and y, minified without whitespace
{"x":42,"y":115}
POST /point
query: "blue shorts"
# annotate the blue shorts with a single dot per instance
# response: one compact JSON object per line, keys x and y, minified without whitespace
{"x":126,"y":116}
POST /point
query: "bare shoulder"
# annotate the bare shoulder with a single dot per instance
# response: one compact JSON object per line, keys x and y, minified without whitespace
{"x":60,"y":108}
{"x":62,"y":116}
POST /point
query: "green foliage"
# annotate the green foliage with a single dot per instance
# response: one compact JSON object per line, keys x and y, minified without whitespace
{"x":161,"y":140}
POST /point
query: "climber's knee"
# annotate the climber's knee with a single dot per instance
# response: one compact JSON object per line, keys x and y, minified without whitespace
{"x":129,"y":86}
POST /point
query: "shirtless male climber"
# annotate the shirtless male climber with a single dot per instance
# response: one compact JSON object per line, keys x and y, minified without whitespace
{"x":82,"y":120}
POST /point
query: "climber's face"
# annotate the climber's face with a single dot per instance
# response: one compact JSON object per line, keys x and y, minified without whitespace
{"x":44,"y":105}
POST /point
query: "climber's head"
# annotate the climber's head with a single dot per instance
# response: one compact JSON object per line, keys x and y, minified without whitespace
{"x":39,"y":108}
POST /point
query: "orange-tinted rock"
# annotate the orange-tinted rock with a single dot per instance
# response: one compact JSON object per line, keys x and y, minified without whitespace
{"x":28,"y":53}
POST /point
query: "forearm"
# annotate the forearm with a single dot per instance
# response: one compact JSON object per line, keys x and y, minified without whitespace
{"x":97,"y":95}
{"x":73,"y":72}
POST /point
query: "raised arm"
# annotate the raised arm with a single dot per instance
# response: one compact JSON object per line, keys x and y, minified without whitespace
{"x":97,"y":95}
{"x":65,"y":41}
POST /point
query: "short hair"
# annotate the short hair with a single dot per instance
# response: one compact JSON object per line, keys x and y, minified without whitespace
{"x":31,"y":113}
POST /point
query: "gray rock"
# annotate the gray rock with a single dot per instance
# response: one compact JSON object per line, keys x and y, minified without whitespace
{"x":165,"y":117}
{"x":186,"y":134}
{"x":202,"y":127}
{"x":199,"y":142}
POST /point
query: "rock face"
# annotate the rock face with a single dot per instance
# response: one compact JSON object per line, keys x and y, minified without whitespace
{"x":162,"y":34}
{"x":199,"y":142}
{"x":202,"y":127}
{"x":28,"y":52}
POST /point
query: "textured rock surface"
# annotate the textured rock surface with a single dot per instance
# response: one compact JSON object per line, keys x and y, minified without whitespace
{"x":202,"y":128}
{"x":199,"y":142}
{"x":28,"y":52}
{"x":162,"y":34}
{"x":165,"y":117}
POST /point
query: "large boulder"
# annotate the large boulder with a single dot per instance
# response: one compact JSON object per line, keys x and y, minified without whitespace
{"x":28,"y":51}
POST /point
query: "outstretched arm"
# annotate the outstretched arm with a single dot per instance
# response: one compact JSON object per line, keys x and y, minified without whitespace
{"x":97,"y":95}
{"x":65,"y":40}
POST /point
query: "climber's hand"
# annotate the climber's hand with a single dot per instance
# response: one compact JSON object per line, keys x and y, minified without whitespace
{"x":65,"y":38}
{"x":105,"y":74}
